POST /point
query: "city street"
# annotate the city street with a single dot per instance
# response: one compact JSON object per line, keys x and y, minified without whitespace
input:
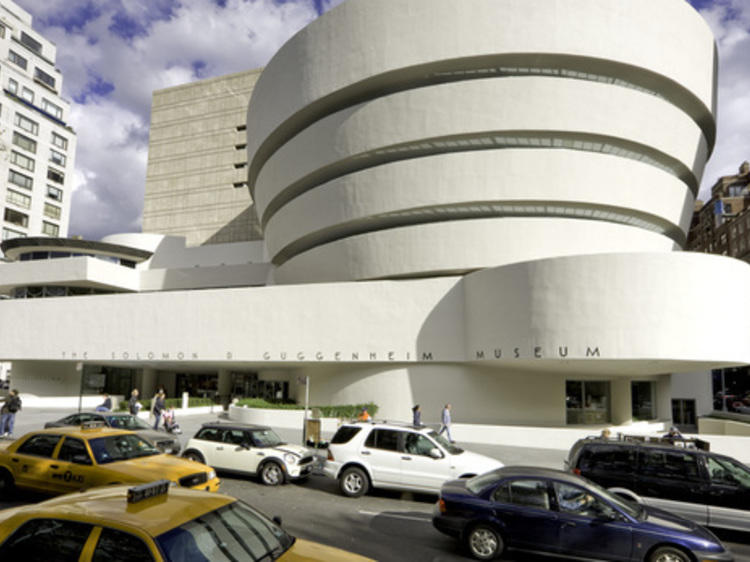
{"x":383,"y":525}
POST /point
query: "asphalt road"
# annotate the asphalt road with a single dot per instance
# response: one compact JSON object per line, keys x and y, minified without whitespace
{"x":383,"y":525}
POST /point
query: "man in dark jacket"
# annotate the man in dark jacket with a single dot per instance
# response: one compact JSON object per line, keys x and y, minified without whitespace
{"x":133,"y":404}
{"x":8,"y":413}
{"x":158,"y":407}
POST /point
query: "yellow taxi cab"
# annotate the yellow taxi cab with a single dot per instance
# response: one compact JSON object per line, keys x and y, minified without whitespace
{"x":69,"y":459}
{"x":151,"y":522}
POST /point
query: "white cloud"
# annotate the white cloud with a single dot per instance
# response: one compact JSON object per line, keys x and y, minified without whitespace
{"x":730,"y":22}
{"x":112,"y":128}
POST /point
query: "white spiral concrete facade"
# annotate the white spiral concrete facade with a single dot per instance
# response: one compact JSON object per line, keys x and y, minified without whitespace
{"x":452,"y":136}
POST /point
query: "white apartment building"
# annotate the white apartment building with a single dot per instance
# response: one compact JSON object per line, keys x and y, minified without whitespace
{"x":37,"y":145}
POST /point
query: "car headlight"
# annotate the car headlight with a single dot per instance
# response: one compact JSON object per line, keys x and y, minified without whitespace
{"x":211,"y":474}
{"x":290,"y":458}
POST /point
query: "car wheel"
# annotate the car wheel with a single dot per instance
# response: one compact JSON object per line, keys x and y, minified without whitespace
{"x":271,"y":474}
{"x":194,"y":456}
{"x":7,"y":484}
{"x":353,"y":482}
{"x":668,"y":554}
{"x":484,"y":542}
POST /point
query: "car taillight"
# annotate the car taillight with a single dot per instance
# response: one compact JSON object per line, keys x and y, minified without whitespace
{"x":441,"y":505}
{"x":330,"y":456}
{"x":576,"y":471}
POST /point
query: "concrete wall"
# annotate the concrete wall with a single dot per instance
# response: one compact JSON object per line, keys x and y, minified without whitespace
{"x":194,"y":162}
{"x":713,"y":426}
{"x":697,"y":386}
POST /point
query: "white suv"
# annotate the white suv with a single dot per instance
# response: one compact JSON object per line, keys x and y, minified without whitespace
{"x":250,"y":449}
{"x":395,"y":456}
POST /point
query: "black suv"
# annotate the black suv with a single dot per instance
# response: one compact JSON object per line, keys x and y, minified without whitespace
{"x":709,"y":488}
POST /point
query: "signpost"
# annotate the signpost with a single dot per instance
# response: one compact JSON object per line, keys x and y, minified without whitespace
{"x":79,"y":368}
{"x":306,"y":381}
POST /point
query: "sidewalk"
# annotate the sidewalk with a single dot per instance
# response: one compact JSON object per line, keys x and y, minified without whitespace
{"x":30,"y":419}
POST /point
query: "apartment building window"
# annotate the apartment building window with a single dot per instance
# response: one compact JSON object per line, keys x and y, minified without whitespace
{"x":57,"y":157}
{"x":20,"y":180}
{"x":12,"y":86}
{"x":52,"y":109}
{"x":26,"y":124}
{"x":44,"y":78}
{"x":16,"y":217}
{"x":55,"y":175}
{"x":22,"y":161}
{"x":50,"y":229}
{"x":18,"y":199}
{"x":9,"y":233}
{"x":59,"y":141}
{"x":52,"y":211}
{"x":2,"y":31}
{"x":27,"y":94}
{"x":24,"y":142}
{"x":28,"y":41}
{"x":54,"y":193}
{"x":17,"y":59}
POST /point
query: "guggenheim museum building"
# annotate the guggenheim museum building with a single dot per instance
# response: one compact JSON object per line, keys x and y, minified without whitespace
{"x":481,"y":202}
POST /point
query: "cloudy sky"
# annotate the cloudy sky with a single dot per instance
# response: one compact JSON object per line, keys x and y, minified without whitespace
{"x":114,"y":53}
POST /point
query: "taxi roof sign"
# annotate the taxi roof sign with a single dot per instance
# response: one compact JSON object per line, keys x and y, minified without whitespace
{"x":94,"y":424}
{"x":150,"y":490}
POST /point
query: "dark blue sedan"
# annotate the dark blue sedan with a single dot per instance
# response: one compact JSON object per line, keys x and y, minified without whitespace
{"x":548,"y":511}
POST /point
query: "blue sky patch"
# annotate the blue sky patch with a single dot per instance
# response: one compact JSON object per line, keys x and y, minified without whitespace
{"x":128,"y":26}
{"x":73,"y":20}
{"x":125,"y":26}
{"x":700,"y":4}
{"x":198,"y":67}
{"x":96,"y":86}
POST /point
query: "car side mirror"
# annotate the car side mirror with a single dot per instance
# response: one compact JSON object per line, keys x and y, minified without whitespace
{"x":435,"y":453}
{"x":605,"y":517}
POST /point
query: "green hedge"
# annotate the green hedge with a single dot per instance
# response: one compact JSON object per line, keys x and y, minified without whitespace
{"x":193,"y":402}
{"x":343,"y":411}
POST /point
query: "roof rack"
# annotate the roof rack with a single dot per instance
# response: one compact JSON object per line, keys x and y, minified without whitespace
{"x":684,"y":442}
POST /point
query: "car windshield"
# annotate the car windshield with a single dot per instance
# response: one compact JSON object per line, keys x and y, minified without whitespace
{"x":445,"y":444}
{"x":233,"y":532}
{"x":120,"y":448}
{"x":633,"y":509}
{"x":479,"y":483}
{"x":266,"y":438}
{"x":127,"y":421}
{"x":729,"y":471}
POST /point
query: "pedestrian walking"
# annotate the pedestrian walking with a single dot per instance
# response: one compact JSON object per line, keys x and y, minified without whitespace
{"x":416,"y":413}
{"x":8,"y":413}
{"x":133,"y":405}
{"x":158,"y":407}
{"x":445,"y":421}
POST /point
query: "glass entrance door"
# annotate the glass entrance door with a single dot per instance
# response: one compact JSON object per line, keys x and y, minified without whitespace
{"x":587,"y":402}
{"x":683,"y":414}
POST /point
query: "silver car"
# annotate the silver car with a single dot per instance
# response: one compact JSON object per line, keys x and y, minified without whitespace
{"x":163,"y":441}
